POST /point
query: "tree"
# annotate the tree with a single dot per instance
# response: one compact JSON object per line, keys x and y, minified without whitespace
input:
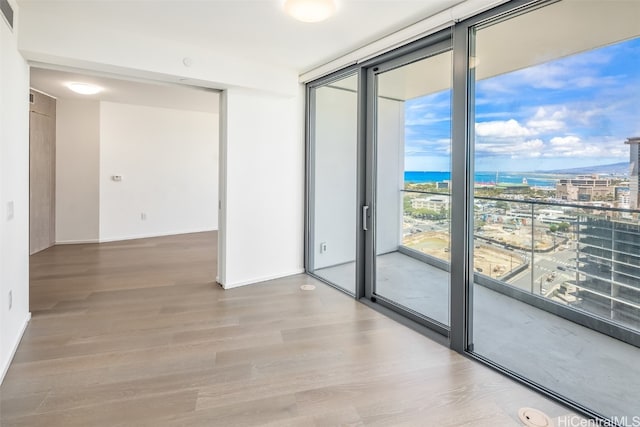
{"x":502,"y":205}
{"x":564,"y":227}
{"x":553,"y":228}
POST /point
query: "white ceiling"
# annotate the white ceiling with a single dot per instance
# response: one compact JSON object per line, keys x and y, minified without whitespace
{"x":258,"y":29}
{"x":178,"y":97}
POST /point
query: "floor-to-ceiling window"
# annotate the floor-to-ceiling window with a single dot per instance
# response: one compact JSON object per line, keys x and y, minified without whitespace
{"x":557,"y":241}
{"x":510,"y":154}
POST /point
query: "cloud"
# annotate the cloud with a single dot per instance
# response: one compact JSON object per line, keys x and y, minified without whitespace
{"x":544,"y":76}
{"x":526,"y":149}
{"x":432,"y":147}
{"x":561,"y":74}
{"x":572,"y":111}
{"x":493,"y":115}
{"x":547,"y":119}
{"x":427,"y":119}
{"x":565,"y":141}
{"x":502,"y":129}
{"x":575,"y":147}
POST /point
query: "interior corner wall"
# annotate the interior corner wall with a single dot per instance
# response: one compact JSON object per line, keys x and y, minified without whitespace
{"x":14,"y":194}
{"x":168,"y":163}
{"x":77,"y":171}
{"x":263,"y":198}
{"x":390,"y":171}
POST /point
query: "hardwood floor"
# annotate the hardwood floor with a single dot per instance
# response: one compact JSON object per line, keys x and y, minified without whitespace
{"x":138,"y":333}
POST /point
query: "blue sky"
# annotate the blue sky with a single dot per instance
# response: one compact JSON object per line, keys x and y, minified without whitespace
{"x":571,"y":112}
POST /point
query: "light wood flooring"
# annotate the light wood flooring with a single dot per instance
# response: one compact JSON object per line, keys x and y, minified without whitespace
{"x":588,"y":367}
{"x":138,"y":333}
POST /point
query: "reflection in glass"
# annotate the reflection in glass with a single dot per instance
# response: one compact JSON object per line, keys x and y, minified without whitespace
{"x":334,"y":192}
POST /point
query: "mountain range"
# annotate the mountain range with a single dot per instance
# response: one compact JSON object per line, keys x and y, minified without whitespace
{"x":621,"y":168}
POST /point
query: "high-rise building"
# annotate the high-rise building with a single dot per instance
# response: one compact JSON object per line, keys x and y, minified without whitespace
{"x":634,"y":165}
{"x":609,"y":278}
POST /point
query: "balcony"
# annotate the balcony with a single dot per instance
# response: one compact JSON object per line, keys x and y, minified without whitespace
{"x":518,"y":244}
{"x":559,"y":307}
{"x":548,"y":303}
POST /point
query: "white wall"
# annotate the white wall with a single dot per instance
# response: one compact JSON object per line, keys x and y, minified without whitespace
{"x":336,"y":163}
{"x":264,"y":121}
{"x":336,"y":144}
{"x":168,"y":161}
{"x":262,"y":152}
{"x":14,"y":188}
{"x":170,"y":158}
{"x":77,"y":170}
{"x":390,"y":179}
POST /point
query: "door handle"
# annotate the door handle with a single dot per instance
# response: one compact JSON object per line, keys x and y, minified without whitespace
{"x":365,"y":215}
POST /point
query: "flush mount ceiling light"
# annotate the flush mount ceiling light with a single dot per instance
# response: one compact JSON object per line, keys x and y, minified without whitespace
{"x":84,"y":88}
{"x":310,"y":10}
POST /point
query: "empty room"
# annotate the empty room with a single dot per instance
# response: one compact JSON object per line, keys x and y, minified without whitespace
{"x":319,"y":213}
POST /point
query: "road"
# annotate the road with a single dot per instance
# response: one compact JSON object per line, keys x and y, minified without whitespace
{"x":549,"y":269}
{"x":558,"y":266}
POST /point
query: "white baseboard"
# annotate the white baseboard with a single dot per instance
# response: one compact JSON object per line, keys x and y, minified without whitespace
{"x":14,"y":348}
{"x":76,"y":242}
{"x":261,"y":279}
{"x":130,"y":237}
{"x":150,"y":235}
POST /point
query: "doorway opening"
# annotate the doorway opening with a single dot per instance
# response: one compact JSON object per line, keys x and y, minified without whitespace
{"x":132,"y":184}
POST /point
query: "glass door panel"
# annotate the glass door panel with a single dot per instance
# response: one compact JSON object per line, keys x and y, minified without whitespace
{"x":411,"y":184}
{"x":556,"y":298}
{"x":334,"y":183}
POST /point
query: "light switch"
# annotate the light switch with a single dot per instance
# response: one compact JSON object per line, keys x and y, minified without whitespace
{"x":116,"y":178}
{"x":10,"y":210}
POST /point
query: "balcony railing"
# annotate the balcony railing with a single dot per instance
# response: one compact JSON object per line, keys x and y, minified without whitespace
{"x":574,"y":256}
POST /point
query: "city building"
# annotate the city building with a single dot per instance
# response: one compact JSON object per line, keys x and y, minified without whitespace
{"x":433,"y":203}
{"x":634,"y":165}
{"x":585,"y":188}
{"x":510,"y":188}
{"x":609,"y":278}
{"x":443,"y":185}
{"x":623,"y":197}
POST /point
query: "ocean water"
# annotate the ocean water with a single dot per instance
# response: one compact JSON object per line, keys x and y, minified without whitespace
{"x":533,"y":179}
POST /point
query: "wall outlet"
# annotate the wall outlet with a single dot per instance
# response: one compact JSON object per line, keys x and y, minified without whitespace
{"x":10,"y":299}
{"x":143,"y":216}
{"x":323,"y":247}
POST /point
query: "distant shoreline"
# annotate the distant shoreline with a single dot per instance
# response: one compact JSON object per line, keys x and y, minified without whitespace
{"x":533,"y":179}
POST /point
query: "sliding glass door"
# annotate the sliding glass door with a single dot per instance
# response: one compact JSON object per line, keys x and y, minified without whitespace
{"x":409,"y":183}
{"x":485,"y":185}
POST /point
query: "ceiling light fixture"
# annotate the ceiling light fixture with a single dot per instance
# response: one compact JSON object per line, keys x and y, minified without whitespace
{"x":84,"y":88}
{"x":310,"y":10}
